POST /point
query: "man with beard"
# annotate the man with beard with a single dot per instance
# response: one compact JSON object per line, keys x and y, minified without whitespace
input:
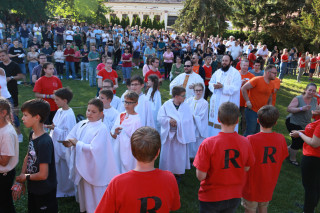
{"x":187,"y":80}
{"x":261,"y":90}
{"x":225,"y":86}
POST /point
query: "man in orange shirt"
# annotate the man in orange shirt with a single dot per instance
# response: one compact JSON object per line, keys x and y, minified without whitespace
{"x":245,"y":77}
{"x":261,"y":89}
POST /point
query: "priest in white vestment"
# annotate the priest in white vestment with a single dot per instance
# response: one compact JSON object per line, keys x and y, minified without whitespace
{"x":225,"y":86}
{"x":187,"y":80}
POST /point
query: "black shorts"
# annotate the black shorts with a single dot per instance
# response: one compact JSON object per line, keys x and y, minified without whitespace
{"x":136,"y":54}
{"x":311,"y":70}
{"x":43,"y":203}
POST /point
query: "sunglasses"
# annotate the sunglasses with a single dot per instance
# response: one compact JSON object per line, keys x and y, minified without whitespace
{"x":187,"y":65}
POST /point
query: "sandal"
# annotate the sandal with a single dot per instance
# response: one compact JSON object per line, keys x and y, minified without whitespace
{"x":295,"y":163}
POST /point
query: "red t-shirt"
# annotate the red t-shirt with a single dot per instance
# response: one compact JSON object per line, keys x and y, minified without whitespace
{"x":208,"y":74}
{"x":151,"y":72}
{"x":223,"y":158}
{"x":101,"y":66}
{"x":238,"y":66}
{"x":270,"y":150}
{"x":126,"y":57}
{"x":310,"y":130}
{"x":67,"y":52}
{"x":284,"y":58}
{"x":104,"y":74}
{"x":260,"y":93}
{"x":313,"y":63}
{"x":303,"y":64}
{"x":251,"y":57}
{"x":134,"y":191}
{"x":248,"y":76}
{"x":47,"y":85}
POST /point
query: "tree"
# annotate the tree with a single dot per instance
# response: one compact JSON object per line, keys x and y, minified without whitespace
{"x":133,"y":23}
{"x":155,"y":23}
{"x":162,"y":25}
{"x":138,"y":21}
{"x":203,"y":17}
{"x":309,"y":23}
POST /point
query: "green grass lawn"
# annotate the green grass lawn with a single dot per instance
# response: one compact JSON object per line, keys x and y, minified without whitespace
{"x":288,"y":194}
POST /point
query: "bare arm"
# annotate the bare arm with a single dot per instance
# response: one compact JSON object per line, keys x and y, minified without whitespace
{"x":4,"y":160}
{"x":244,"y":90}
{"x":201,"y":175}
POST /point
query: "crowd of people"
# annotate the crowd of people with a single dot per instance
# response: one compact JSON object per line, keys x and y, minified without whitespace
{"x":107,"y":160}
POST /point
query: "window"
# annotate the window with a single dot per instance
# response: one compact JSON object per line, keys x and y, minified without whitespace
{"x":145,"y":17}
{"x":171,"y":20}
{"x":124,"y":16}
{"x":113,"y":15}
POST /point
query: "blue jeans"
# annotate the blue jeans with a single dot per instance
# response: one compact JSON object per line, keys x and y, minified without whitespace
{"x":23,"y":68}
{"x":31,"y":65}
{"x":160,"y":55}
{"x":38,"y":38}
{"x":283,"y":69}
{"x":24,"y":42}
{"x":224,"y":206}
{"x":252,"y":125}
{"x":71,"y":64}
{"x":84,"y":65}
{"x":126,"y":72}
{"x":92,"y":76}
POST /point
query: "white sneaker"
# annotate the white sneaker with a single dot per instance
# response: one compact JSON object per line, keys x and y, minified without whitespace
{"x":70,"y":76}
{"x":20,"y":138}
{"x":61,"y":76}
{"x":86,"y":79}
{"x":81,"y":79}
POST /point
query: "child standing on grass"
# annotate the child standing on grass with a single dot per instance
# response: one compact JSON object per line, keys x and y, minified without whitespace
{"x":63,"y":121}
{"x":270,"y":150}
{"x":110,"y":114}
{"x":177,"y":130}
{"x":9,"y":156}
{"x":199,"y":108}
{"x":126,"y":123}
{"x":154,"y":97}
{"x":221,"y":163}
{"x":116,"y":101}
{"x":39,"y":164}
{"x":144,"y":189}
{"x":92,"y":162}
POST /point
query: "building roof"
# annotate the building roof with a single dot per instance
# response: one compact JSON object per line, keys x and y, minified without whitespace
{"x":147,"y":1}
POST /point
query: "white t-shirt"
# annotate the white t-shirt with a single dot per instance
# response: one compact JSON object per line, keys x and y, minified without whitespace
{"x":235,"y":52}
{"x":4,"y":89}
{"x":1,"y":26}
{"x":69,"y":35}
{"x":37,"y":30}
{"x":9,"y":146}
{"x":135,"y":44}
{"x":232,"y":43}
{"x":263,"y":52}
{"x":105,"y":37}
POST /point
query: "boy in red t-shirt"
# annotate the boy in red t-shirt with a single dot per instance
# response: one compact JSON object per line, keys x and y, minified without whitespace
{"x":208,"y":73}
{"x":108,"y":73}
{"x":154,"y":70}
{"x":144,"y":189}
{"x":313,"y":64}
{"x":270,"y":150}
{"x":222,"y":162}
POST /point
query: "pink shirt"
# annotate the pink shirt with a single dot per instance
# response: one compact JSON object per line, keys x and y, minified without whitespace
{"x":145,"y":69}
{"x":168,"y":55}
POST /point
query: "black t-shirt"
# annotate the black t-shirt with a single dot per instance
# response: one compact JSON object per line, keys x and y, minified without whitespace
{"x":16,"y":51}
{"x":12,"y":69}
{"x":221,"y":49}
{"x":41,"y":150}
{"x":48,"y":53}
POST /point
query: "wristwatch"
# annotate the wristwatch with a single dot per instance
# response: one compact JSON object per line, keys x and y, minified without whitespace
{"x":27,"y":176}
{"x":11,"y":77}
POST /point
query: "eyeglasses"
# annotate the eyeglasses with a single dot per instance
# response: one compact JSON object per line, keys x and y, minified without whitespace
{"x":134,"y":85}
{"x":128,"y":103}
{"x":187,"y":66}
{"x":200,"y":90}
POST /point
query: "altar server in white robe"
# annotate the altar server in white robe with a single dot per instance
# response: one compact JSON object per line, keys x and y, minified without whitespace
{"x":116,"y":101}
{"x":125,"y":125}
{"x":187,"y":80}
{"x":62,"y":123}
{"x":177,"y":130}
{"x":199,"y":108}
{"x":92,"y":162}
{"x":225,"y":86}
{"x":144,"y":106}
{"x":154,"y":97}
{"x":110,"y":114}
